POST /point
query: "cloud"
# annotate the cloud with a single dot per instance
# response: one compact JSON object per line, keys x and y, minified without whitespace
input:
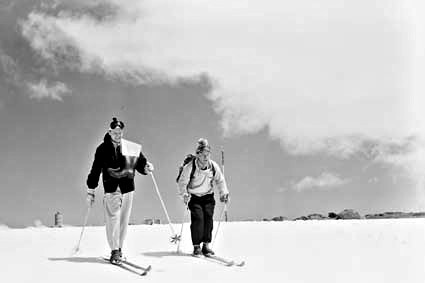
{"x":9,"y":68}
{"x":282,"y":190}
{"x":62,"y":49}
{"x":101,"y":11}
{"x":12,"y":75}
{"x":325,"y":181}
{"x":330,"y":78}
{"x":42,"y":90}
{"x":6,"y":5}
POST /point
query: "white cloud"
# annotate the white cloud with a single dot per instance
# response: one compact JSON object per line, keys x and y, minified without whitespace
{"x":320,"y":78}
{"x":282,"y":190}
{"x":325,"y":181}
{"x":9,"y":68}
{"x":42,"y":90}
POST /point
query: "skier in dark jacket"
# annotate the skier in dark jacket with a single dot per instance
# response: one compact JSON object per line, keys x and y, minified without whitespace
{"x":117,"y":160}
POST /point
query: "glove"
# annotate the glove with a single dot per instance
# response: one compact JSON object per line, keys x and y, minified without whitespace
{"x":115,"y":172}
{"x":90,"y":197}
{"x":149,"y":167}
{"x":186,"y":198}
{"x":224,"y":198}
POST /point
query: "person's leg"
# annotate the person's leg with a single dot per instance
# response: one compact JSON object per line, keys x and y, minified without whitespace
{"x":112,"y":204}
{"x":197,"y":221}
{"x":127,"y":204}
{"x":208,"y":211}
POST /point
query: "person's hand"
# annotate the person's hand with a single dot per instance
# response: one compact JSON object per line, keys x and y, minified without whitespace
{"x":90,"y":197}
{"x":186,"y":198}
{"x":118,"y":173}
{"x":224,"y":198}
{"x":115,"y":172}
{"x":149,"y":167}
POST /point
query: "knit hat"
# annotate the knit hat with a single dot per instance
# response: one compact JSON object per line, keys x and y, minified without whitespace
{"x":116,"y":123}
{"x":202,"y":144}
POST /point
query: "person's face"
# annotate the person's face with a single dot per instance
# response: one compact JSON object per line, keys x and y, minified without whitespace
{"x":204,"y":156}
{"x":116,"y":134}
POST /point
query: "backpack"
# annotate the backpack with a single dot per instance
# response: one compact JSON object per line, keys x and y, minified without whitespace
{"x":187,"y":159}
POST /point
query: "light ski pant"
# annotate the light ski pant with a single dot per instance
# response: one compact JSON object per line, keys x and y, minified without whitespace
{"x":117,"y":215}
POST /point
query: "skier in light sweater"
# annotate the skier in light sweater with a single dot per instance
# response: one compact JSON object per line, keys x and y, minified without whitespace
{"x":196,"y":186}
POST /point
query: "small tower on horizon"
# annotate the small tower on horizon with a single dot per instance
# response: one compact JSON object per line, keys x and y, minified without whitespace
{"x":58,"y":219}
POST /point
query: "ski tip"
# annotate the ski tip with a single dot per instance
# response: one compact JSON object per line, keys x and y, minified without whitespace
{"x":242,"y":263}
{"x":144,"y":273}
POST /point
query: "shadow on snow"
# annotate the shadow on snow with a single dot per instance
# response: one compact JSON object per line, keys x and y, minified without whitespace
{"x":79,"y":259}
{"x":165,"y":254}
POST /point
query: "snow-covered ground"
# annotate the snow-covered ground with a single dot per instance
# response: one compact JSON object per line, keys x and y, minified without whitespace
{"x":387,"y":251}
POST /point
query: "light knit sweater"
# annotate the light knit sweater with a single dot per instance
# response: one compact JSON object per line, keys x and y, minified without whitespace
{"x":203,"y":181}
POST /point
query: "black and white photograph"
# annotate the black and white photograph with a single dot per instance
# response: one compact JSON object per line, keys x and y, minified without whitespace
{"x":212,"y":141}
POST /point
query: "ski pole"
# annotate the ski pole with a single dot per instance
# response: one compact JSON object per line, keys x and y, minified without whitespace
{"x":77,"y":248}
{"x":175,"y":238}
{"x":219,"y":222}
{"x":224,"y":209}
{"x":181,"y":229}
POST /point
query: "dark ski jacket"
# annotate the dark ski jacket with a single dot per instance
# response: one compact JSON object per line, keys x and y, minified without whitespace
{"x":106,"y":157}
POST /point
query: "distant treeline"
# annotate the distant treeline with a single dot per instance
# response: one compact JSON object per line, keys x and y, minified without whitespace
{"x":351,"y":214}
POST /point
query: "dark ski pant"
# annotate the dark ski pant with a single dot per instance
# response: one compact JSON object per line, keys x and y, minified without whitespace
{"x":201,"y":217}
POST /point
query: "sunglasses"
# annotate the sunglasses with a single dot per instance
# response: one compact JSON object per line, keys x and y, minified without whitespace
{"x":117,"y":124}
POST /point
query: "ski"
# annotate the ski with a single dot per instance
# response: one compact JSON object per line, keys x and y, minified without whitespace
{"x":217,"y":259}
{"x":220,"y":260}
{"x":125,"y":265}
{"x":226,"y":261}
{"x":144,"y":269}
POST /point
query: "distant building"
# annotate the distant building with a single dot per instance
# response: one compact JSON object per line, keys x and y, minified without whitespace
{"x":58,"y":219}
{"x":151,"y":221}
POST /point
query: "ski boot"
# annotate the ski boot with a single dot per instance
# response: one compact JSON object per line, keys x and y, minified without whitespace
{"x":115,"y":257}
{"x":120,"y":254}
{"x":197,"y":250}
{"x":206,"y":251}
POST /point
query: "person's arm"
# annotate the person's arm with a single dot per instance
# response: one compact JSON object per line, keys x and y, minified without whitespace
{"x":220,"y":182}
{"x":96,"y":169}
{"x":184,"y":179}
{"x":93,"y":177}
{"x":141,"y":164}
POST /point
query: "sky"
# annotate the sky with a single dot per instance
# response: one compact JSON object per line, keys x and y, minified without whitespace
{"x":316,"y":107}
{"x":378,"y":251}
